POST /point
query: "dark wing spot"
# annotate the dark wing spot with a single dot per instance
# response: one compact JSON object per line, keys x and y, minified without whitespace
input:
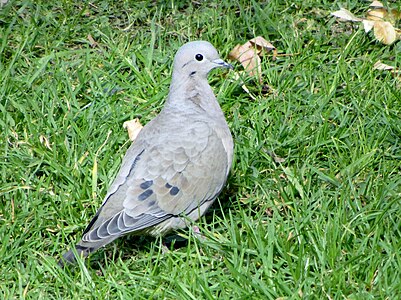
{"x":192,"y":73}
{"x":174,"y":191}
{"x":146,"y":184}
{"x":145,"y":195}
{"x":134,"y":163}
{"x":168,"y":185}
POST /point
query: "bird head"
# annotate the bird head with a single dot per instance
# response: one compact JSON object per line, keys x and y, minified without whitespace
{"x":197,"y":58}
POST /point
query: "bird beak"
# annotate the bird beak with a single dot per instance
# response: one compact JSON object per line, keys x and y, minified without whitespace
{"x":221,"y":63}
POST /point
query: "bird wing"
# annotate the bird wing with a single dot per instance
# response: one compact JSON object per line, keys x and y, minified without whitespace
{"x":161,"y":177}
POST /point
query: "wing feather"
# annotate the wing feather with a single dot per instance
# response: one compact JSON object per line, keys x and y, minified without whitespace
{"x":162,"y":179}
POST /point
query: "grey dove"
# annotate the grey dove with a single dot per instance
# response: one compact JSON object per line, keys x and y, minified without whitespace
{"x":177,"y":165}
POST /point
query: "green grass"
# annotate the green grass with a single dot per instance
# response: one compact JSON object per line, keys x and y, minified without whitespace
{"x":323,"y":224}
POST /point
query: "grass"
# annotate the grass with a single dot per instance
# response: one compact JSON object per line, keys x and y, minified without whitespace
{"x":322,"y":224}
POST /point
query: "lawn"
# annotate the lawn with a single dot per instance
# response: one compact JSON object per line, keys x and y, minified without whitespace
{"x":312,"y":207}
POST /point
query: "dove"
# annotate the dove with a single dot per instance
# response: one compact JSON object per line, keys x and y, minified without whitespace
{"x":177,"y":165}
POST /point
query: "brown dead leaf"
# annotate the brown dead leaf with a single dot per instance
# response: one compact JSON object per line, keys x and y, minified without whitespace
{"x":249,"y":53}
{"x":384,"y":32}
{"x":133,"y":127}
{"x":92,"y":41}
{"x":378,"y":18}
{"x":264,"y":46}
{"x":248,"y":56}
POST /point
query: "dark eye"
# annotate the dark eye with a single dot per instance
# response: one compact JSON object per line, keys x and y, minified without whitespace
{"x":199,"y":57}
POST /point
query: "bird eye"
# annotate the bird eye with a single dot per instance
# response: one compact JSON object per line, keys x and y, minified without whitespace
{"x":199,"y":57}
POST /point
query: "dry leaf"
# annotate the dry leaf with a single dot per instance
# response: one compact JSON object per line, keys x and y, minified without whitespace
{"x":368,"y":25}
{"x":377,"y":14}
{"x":275,"y":157}
{"x":383,"y":67}
{"x":394,"y":15}
{"x":380,"y":66}
{"x":380,"y":13}
{"x":376,"y":4}
{"x":387,"y":68}
{"x":43,"y":140}
{"x":133,"y":127}
{"x":264,"y":45}
{"x":248,"y":55}
{"x":346,"y":15}
{"x":384,"y":32}
{"x":378,"y":18}
{"x":92,"y":41}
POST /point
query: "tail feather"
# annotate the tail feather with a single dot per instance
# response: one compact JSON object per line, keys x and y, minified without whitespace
{"x":70,"y":257}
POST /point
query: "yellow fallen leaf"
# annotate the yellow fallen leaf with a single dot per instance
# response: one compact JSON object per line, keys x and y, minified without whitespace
{"x":377,"y":14}
{"x":384,"y":32}
{"x":380,"y":13}
{"x":133,"y":127}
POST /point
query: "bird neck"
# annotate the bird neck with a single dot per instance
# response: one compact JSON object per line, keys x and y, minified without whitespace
{"x":192,"y":93}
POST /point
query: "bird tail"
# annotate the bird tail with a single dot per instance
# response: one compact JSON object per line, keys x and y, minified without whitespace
{"x":70,"y":257}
